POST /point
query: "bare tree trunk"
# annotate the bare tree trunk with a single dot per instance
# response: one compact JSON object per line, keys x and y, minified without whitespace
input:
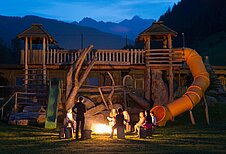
{"x":72,"y":91}
{"x":76,"y":65}
{"x":112,"y":89}
{"x":71,"y":71}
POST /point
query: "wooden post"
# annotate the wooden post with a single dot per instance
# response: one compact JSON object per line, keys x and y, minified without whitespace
{"x":26,"y":62}
{"x":170,"y":69}
{"x":47,"y":53}
{"x":31,"y":56}
{"x":179,"y":80}
{"x":147,"y":78}
{"x":148,"y":43}
{"x":170,"y":84}
{"x":164,"y":42}
{"x":192,"y":117}
{"x":206,"y":110}
{"x":44,"y":60}
{"x":147,"y":81}
{"x":15,"y":103}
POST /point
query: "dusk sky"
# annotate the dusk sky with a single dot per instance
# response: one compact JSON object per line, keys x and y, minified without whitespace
{"x":76,"y":10}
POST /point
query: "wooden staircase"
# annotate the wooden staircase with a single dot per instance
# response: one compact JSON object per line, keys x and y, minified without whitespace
{"x":31,"y":101}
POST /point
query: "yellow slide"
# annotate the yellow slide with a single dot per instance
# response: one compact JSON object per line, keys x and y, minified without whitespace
{"x":194,"y":93}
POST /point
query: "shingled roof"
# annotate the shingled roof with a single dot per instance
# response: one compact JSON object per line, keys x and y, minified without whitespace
{"x":158,"y":28}
{"x":36,"y":31}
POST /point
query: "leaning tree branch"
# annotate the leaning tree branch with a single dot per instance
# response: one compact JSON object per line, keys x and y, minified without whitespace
{"x":112,"y":89}
{"x":72,"y":91}
{"x":79,"y":65}
{"x":71,"y":71}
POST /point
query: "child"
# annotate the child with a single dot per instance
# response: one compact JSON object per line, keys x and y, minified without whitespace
{"x":112,"y":117}
{"x":70,"y":120}
{"x":153,"y":120}
{"x":139,"y":123}
{"x":148,"y":120}
{"x":127,"y":121}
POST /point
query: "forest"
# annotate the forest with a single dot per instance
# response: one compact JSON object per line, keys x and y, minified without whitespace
{"x":203,"y":23}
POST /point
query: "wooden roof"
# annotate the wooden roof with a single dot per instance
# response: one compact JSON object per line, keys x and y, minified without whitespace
{"x":36,"y":31}
{"x":157,"y":28}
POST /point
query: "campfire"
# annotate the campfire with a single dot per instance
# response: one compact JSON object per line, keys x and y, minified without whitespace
{"x":101,"y":128}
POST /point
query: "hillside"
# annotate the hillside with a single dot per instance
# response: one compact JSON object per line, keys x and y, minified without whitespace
{"x":203,"y":23}
{"x":67,"y":35}
{"x":131,"y":28}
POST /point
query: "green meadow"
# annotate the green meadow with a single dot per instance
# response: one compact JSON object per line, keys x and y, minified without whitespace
{"x":176,"y":137}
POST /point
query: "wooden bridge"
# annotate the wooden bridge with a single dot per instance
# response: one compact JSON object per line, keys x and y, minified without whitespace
{"x":151,"y":58}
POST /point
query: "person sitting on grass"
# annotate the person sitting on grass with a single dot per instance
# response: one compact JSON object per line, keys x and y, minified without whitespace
{"x":70,"y":120}
{"x":153,"y":120}
{"x":139,"y":123}
{"x":127,"y":121}
{"x":148,"y":121}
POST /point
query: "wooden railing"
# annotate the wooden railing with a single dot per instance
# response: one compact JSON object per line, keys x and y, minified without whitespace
{"x":164,"y":57}
{"x":120,"y":57}
{"x":152,"y":57}
{"x":6,"y":103}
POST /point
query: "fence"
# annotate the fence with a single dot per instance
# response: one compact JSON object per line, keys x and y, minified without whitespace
{"x":61,"y":57}
{"x":112,"y":57}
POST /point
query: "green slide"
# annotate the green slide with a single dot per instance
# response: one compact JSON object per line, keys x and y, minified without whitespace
{"x":53,"y":101}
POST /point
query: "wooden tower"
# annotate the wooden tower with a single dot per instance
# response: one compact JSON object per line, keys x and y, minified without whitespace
{"x":35,"y":37}
{"x":156,"y":33}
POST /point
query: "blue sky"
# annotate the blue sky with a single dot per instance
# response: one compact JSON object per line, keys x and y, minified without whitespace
{"x":76,"y":10}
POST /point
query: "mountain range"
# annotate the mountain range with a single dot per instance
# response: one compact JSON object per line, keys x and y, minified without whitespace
{"x":126,"y":28}
{"x":202,"y":22}
{"x":75,"y":35}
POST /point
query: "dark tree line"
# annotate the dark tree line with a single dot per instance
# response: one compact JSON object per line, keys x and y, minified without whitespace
{"x":197,"y":19}
{"x":10,"y":55}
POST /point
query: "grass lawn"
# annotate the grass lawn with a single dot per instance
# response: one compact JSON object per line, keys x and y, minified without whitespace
{"x":176,"y":137}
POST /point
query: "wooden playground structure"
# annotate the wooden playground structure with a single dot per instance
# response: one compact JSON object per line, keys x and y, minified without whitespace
{"x":137,"y":74}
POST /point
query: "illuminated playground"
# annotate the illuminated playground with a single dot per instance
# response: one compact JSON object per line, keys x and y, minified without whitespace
{"x":134,"y":80}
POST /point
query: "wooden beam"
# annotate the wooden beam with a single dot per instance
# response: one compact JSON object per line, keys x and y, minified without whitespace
{"x":102,"y":96}
{"x":147,"y":81}
{"x":161,"y":65}
{"x":44,"y":60}
{"x":26,"y":62}
{"x":31,"y":58}
{"x":206,"y":110}
{"x":112,"y":88}
{"x":192,"y":117}
{"x":95,"y":90}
